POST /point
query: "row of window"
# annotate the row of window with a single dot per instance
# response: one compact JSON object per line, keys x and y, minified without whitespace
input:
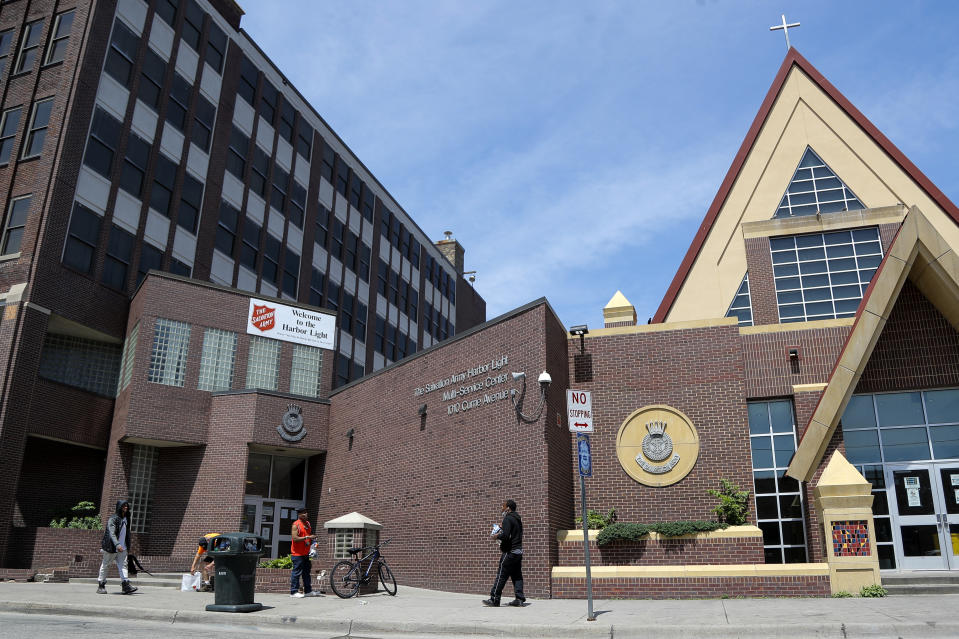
{"x":31,"y":35}
{"x":286,"y":194}
{"x":191,"y":31}
{"x":342,"y":243}
{"x":275,"y":108}
{"x":169,"y":353}
{"x":36,"y":131}
{"x":391,"y":342}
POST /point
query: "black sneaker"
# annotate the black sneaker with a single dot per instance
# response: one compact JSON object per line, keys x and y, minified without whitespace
{"x":491,"y":603}
{"x":102,"y":588}
{"x":517,"y":603}
{"x":128,"y":589}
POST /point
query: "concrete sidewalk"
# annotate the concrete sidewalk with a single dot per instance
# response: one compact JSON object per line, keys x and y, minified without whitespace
{"x":415,"y":612}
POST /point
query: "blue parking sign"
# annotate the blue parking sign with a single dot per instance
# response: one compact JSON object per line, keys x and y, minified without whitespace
{"x":585,"y":458}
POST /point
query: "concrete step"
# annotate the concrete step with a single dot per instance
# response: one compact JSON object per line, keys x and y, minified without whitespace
{"x":923,"y":589}
{"x":925,"y":577}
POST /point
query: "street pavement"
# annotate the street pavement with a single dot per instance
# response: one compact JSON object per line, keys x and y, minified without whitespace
{"x":415,"y":612}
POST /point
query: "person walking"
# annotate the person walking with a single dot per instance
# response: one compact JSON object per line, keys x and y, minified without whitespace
{"x":202,"y":557}
{"x":300,"y":554}
{"x":115,"y":546}
{"x":510,"y":566}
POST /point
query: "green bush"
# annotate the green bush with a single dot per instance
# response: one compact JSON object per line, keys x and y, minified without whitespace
{"x":597,"y":520}
{"x":634,"y":532}
{"x":82,"y":518}
{"x":841,"y":594}
{"x":280,"y":562}
{"x":874,"y":590}
{"x":733,"y":503}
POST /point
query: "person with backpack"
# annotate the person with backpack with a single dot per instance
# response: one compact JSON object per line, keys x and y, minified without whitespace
{"x":510,"y":566}
{"x":115,"y":545}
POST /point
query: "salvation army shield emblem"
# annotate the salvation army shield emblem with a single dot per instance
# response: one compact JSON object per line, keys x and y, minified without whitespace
{"x":263,"y":317}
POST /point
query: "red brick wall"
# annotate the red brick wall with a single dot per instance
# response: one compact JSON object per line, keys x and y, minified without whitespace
{"x":771,"y":373}
{"x":665,"y":552}
{"x":762,"y":286}
{"x":693,"y":587}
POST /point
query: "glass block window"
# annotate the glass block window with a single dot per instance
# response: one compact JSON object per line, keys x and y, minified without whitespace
{"x":143,"y":470}
{"x":81,"y":363}
{"x":823,"y":275}
{"x":779,"y":499}
{"x":342,"y":542}
{"x":168,"y":358}
{"x":815,"y":188}
{"x":263,"y":365}
{"x":741,"y":306}
{"x":217,"y":361}
{"x":305,"y":375}
{"x":128,"y":357}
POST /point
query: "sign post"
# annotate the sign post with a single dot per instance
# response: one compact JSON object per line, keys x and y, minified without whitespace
{"x":585,"y":470}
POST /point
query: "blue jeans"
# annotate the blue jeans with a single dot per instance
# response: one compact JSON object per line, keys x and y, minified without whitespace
{"x":301,"y":568}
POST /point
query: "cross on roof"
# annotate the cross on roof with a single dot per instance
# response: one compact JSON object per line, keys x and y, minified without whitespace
{"x":785,"y":28}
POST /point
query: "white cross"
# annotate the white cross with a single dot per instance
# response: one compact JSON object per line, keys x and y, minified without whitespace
{"x":785,"y":28}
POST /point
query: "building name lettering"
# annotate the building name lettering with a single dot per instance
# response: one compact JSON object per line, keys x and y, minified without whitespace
{"x":461,"y":389}
{"x":461,"y":376}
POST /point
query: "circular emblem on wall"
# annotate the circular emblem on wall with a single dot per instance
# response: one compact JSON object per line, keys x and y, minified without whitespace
{"x":651,"y":455}
{"x":292,"y":429}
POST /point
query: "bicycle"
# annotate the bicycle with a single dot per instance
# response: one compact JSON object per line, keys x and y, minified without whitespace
{"x":348,"y":575}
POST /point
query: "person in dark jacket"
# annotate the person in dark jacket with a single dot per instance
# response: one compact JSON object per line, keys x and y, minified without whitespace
{"x":510,"y":566}
{"x":115,"y":546}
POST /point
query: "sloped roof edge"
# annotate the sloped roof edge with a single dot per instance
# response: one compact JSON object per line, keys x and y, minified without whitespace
{"x":793,"y":57}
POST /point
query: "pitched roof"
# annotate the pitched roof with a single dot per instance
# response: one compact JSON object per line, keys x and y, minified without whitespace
{"x":793,"y":58}
{"x":918,"y":252}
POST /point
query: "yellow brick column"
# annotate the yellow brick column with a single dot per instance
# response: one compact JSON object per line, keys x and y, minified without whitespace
{"x":844,"y":501}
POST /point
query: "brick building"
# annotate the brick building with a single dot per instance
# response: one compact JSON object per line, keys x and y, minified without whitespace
{"x":806,"y":349}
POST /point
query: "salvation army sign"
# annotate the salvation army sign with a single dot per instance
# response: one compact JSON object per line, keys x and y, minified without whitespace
{"x":291,"y":324}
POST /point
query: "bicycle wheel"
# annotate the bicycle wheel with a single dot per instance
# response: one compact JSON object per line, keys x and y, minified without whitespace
{"x":386,"y":578}
{"x":345,"y":579}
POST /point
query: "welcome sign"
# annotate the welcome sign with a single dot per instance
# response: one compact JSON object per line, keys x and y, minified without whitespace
{"x":291,"y":324}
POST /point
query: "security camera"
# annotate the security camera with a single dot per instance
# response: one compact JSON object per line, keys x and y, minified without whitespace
{"x":517,"y":376}
{"x":544,"y":378}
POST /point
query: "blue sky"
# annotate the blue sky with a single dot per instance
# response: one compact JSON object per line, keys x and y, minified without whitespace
{"x":574,"y":147}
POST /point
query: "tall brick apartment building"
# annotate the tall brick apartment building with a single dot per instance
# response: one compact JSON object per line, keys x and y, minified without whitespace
{"x":141,"y":135}
{"x":806,"y":350}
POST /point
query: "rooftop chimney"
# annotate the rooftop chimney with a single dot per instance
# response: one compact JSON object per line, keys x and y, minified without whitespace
{"x":619,"y":312}
{"x":452,"y":251}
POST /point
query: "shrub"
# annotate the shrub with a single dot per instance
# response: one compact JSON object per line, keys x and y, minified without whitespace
{"x":733,"y":503}
{"x":597,"y":520}
{"x":280,"y":562}
{"x":635,"y":532}
{"x":874,"y":590}
{"x":82,"y":519}
{"x":841,"y":594}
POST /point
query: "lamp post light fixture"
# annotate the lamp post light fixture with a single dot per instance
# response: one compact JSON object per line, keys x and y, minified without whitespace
{"x":580,"y":331}
{"x":544,"y":381}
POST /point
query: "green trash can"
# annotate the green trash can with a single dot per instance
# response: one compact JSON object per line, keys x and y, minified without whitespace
{"x":236,"y":556}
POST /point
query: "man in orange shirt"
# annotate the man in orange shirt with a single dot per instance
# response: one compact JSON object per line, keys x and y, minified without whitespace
{"x":209,"y":566}
{"x":303,"y":536}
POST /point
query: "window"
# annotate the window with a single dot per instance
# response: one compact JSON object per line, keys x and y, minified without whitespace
{"x":116,"y":264}
{"x":413,"y":304}
{"x":297,"y":203}
{"x":304,"y":138}
{"x":236,"y":158}
{"x":226,"y":228}
{"x":779,"y":499}
{"x":193,"y":25}
{"x":382,"y":277}
{"x":287,"y":117}
{"x":164,"y":174}
{"x":217,"y":361}
{"x":271,"y":259}
{"x":6,"y":40}
{"x":291,"y":273}
{"x":816,"y":189}
{"x":261,"y":167}
{"x":178,"y":104}
{"x":251,"y":244}
{"x":134,"y":165}
{"x":128,"y":357}
{"x":349,"y":250}
{"x":276,"y":477}
{"x":104,"y":136}
{"x":741,"y":307}
{"x":143,"y":470}
{"x":16,"y":219}
{"x":363,"y":268}
{"x":151,"y":258}
{"x":180,"y":268}
{"x":82,"y":239}
{"x":359,"y":321}
{"x":317,"y":283}
{"x":202,"y":131}
{"x":333,"y":296}
{"x":216,"y":47}
{"x":342,"y":542}
{"x":37,"y":131}
{"x":379,"y":337}
{"x":823,"y":275}
{"x":305,"y":373}
{"x":281,"y":181}
{"x":342,"y":370}
{"x":415,"y":253}
{"x":191,"y":198}
{"x":342,"y":177}
{"x":366,"y":206}
{"x":322,"y":226}
{"x":60,"y":37}
{"x":356,"y":189}
{"x":166,"y":9}
{"x":267,"y":106}
{"x":329,"y":159}
{"x":249,"y":76}
{"x":29,"y":45}
{"x":168,"y":357}
{"x":8,"y":131}
{"x":122,"y":53}
{"x":151,"y":79}
{"x":336,"y":245}
{"x":263,"y":365}
{"x":346,"y":313}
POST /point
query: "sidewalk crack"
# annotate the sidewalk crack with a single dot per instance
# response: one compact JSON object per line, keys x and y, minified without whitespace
{"x":725,"y":612}
{"x":175,"y":613}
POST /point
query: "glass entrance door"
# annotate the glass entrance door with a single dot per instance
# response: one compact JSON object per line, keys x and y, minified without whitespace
{"x":926,"y":517}
{"x":272,"y":519}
